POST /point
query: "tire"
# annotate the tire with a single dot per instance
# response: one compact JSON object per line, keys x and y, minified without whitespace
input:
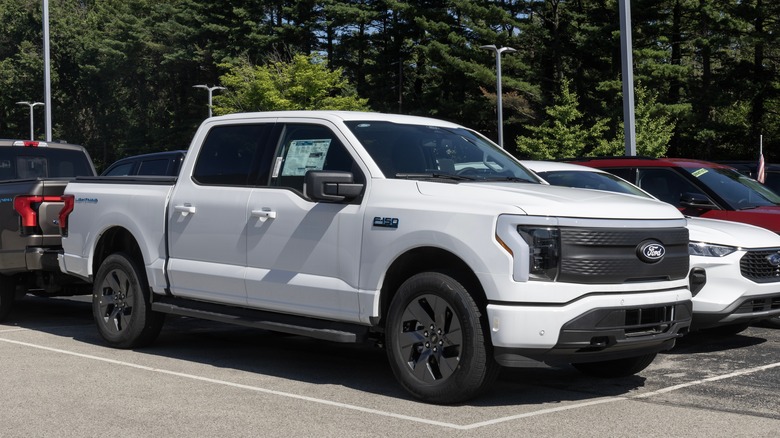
{"x":7,"y":296}
{"x":617,"y":367}
{"x":771,"y":322}
{"x":728,"y":330}
{"x":121,"y":306}
{"x":437,"y":342}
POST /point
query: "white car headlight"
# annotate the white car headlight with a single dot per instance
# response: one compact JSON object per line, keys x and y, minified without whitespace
{"x":709,"y":250}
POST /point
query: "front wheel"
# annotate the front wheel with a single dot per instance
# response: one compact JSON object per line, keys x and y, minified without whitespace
{"x":121,"y":306}
{"x":437,"y":345}
{"x":7,"y":296}
{"x":771,"y":322}
{"x":728,"y":330}
{"x":617,"y":367}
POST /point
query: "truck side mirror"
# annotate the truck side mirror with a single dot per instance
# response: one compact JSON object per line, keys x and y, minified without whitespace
{"x":331,"y":186}
{"x":696,"y":200}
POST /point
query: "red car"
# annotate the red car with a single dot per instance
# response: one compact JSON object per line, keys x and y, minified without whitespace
{"x":698,"y":188}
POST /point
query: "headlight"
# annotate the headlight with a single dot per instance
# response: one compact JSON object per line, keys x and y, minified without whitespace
{"x":545,"y":251}
{"x":708,"y":250}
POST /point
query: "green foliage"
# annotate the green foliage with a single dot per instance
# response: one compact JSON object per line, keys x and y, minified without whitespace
{"x":564,"y":133}
{"x":123,"y":70}
{"x":304,"y":83}
{"x":561,"y":134}
{"x":654,"y":128}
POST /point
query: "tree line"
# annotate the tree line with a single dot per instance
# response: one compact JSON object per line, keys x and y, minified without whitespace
{"x":706,"y":71}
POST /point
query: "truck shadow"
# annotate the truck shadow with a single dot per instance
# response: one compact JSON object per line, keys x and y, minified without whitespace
{"x":359,"y":367}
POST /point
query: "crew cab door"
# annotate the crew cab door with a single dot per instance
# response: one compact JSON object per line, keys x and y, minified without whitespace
{"x":303,"y":256}
{"x":207,"y":217}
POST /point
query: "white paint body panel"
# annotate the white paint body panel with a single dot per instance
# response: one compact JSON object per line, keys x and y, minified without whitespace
{"x":329,"y":261}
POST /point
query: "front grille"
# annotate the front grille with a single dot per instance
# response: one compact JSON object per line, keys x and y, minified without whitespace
{"x":609,"y":255}
{"x":755,"y":266}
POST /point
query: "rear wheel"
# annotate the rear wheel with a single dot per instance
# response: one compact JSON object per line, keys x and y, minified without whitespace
{"x":121,"y":306}
{"x":617,"y":367}
{"x":7,"y":296}
{"x":436,"y":342}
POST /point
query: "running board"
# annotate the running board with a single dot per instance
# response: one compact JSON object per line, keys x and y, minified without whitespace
{"x":278,"y":322}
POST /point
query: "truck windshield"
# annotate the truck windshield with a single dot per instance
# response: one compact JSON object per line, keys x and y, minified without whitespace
{"x":584,"y":179}
{"x":739,"y":191}
{"x":419,"y":151}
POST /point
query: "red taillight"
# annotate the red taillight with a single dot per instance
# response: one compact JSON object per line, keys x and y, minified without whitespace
{"x":27,"y":207}
{"x":69,"y":201}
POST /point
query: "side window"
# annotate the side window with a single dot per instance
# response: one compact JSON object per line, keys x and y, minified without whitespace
{"x":627,"y":174}
{"x":121,"y":170}
{"x":666,"y":184}
{"x":230,"y":153}
{"x":306,"y":147}
{"x":153,"y":167}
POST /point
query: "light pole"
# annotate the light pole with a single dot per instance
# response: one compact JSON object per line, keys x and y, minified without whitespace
{"x":498,"y":87}
{"x":32,"y":125}
{"x":210,"y":90}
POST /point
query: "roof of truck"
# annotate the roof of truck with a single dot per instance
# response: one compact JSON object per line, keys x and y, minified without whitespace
{"x":343,"y":116}
{"x":38,"y":144}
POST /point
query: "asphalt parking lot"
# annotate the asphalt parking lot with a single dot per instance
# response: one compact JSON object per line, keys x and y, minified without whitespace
{"x":207,"y":379}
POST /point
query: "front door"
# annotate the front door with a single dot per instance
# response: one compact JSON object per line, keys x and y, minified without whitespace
{"x":303,"y":257}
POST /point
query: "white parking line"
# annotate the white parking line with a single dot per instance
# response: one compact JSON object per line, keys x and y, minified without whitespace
{"x":390,"y":414}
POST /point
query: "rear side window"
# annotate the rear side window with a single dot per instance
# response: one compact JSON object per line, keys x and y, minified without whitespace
{"x":154,"y":167}
{"x":121,"y":170}
{"x":25,"y":163}
{"x":230,"y":155}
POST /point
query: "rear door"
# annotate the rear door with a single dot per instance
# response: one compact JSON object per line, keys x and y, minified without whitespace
{"x":208,"y":213}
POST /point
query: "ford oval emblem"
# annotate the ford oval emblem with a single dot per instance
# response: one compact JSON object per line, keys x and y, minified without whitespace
{"x":774,"y":259}
{"x":651,"y":251}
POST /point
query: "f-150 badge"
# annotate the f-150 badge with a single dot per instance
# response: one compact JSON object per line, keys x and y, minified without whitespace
{"x":386,"y":222}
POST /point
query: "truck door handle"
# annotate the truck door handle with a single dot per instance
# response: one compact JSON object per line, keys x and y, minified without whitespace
{"x":264,"y":214}
{"x":185,"y":209}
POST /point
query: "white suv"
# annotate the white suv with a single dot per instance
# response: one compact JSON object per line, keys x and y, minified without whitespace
{"x":734,"y":266}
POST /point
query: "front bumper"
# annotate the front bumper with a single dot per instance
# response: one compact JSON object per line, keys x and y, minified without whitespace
{"x":723,"y":296}
{"x":594,"y":328}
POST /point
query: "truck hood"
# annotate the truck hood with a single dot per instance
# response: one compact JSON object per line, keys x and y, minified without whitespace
{"x":546,"y":200}
{"x":729,"y":233}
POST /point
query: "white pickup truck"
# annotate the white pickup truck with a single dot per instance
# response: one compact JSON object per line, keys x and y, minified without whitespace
{"x":414,"y":233}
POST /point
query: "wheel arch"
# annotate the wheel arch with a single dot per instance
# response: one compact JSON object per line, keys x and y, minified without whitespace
{"x":428,"y":259}
{"x":113,"y":240}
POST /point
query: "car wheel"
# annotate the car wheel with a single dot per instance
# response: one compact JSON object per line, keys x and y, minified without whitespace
{"x":771,"y":322}
{"x":7,"y":296}
{"x":121,"y":306}
{"x":727,"y":330}
{"x":617,"y":367}
{"x":437,"y":343}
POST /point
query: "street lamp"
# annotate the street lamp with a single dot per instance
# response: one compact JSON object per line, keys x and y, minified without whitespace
{"x":31,"y":105}
{"x":498,"y":87}
{"x":210,"y":90}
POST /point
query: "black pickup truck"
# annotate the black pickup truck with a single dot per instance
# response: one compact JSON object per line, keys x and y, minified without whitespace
{"x":33,"y":176}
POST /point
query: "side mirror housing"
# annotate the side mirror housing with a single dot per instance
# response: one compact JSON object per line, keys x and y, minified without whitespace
{"x":331,"y":186}
{"x":696,"y":200}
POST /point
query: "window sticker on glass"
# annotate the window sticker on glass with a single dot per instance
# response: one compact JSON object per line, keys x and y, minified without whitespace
{"x":305,"y":155}
{"x":699,"y":172}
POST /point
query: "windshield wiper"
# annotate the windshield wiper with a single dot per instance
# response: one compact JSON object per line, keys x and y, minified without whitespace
{"x":434,"y":175}
{"x":509,"y":178}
